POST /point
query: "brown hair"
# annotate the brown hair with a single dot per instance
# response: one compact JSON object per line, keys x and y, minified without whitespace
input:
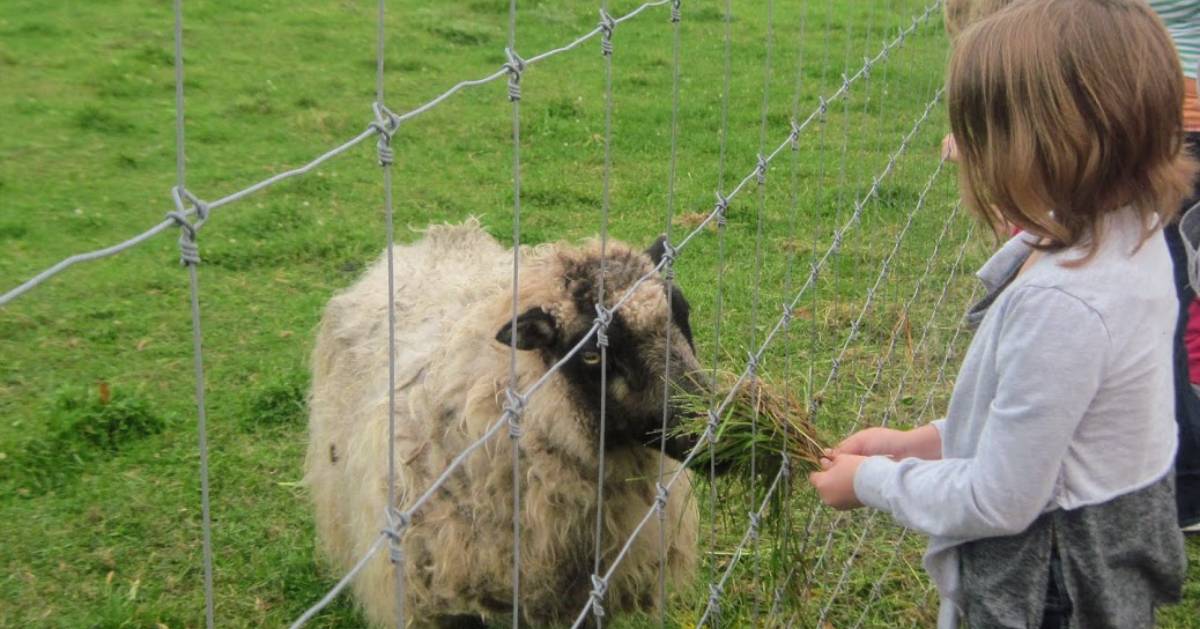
{"x":1066,"y":111}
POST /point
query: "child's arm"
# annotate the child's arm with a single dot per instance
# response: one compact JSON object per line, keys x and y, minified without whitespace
{"x":835,"y":482}
{"x":1049,"y":359}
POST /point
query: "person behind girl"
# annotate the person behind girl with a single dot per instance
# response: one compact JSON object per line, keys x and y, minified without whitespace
{"x":1047,"y":492}
{"x":1182,"y":19}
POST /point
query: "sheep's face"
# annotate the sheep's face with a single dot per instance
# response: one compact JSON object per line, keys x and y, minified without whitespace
{"x":652,"y":323}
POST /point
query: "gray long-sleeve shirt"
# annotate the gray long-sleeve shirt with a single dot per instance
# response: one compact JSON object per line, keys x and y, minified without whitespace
{"x":1064,"y":399}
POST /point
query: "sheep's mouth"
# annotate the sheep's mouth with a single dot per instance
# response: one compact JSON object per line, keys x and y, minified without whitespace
{"x":628,"y":430}
{"x":677,"y":448}
{"x":682,"y":439}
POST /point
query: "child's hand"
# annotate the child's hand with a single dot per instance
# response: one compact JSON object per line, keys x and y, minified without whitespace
{"x":874,"y":441}
{"x":835,"y":482}
{"x":949,"y":148}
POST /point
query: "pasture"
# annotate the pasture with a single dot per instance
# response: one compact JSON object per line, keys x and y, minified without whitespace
{"x":99,"y":490}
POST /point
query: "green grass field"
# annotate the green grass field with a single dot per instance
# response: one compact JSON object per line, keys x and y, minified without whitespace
{"x":99,"y":489}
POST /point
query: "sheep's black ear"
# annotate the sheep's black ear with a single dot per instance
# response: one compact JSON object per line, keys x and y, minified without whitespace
{"x":657,"y":249}
{"x":535,"y":329}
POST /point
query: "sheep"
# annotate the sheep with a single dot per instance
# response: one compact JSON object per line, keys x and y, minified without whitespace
{"x":957,"y":15}
{"x":453,"y":303}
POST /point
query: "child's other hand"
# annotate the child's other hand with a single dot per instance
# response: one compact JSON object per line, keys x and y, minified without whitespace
{"x":835,"y":482}
{"x":872,"y":442}
{"x":949,"y":148}
{"x":924,"y":443}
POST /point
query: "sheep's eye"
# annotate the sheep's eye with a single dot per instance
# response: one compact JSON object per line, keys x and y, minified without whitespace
{"x":591,"y":358}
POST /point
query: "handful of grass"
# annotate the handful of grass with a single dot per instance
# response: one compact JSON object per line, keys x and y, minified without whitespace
{"x":768,"y":420}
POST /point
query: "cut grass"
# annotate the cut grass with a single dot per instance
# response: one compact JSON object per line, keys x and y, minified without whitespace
{"x":761,"y":427}
{"x":86,"y":159}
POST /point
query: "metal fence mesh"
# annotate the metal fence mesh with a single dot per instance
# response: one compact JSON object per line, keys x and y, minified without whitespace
{"x":839,"y":181}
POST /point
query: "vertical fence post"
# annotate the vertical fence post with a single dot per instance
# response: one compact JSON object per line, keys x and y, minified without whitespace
{"x":396,"y":522}
{"x":661,"y":496}
{"x":604,"y":314}
{"x":191,"y":258}
{"x":515,"y":67}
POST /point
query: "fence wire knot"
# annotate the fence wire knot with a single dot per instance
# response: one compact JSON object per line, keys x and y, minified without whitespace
{"x":710,"y":428}
{"x":721,"y":208}
{"x":179,"y":195}
{"x":515,"y":68}
{"x":384,"y":148}
{"x":760,"y":170}
{"x":794,"y":138}
{"x":661,"y":493}
{"x":867,"y":63}
{"x":607,"y":25}
{"x":714,"y":597}
{"x":385,"y":124}
{"x":788,"y":314}
{"x":676,"y":11}
{"x":189,"y":251}
{"x":599,"y":587}
{"x":514,"y":406}
{"x":398,"y":523}
{"x":603,"y":320}
{"x":751,"y":363}
{"x":835,"y":367}
{"x":669,"y":254}
{"x":785,"y":466}
{"x":755,"y":522}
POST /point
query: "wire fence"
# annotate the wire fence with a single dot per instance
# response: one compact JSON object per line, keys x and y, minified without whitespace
{"x":191,"y":213}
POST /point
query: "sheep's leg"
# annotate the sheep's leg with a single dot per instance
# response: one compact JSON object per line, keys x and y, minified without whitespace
{"x":462,"y":621}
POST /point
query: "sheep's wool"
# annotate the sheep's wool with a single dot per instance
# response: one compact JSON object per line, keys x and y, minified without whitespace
{"x":453,"y":291}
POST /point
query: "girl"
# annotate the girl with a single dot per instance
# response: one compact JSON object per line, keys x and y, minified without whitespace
{"x":1182,"y":20}
{"x":1059,"y":437}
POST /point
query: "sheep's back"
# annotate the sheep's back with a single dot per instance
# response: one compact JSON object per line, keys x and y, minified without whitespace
{"x":437,"y":278}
